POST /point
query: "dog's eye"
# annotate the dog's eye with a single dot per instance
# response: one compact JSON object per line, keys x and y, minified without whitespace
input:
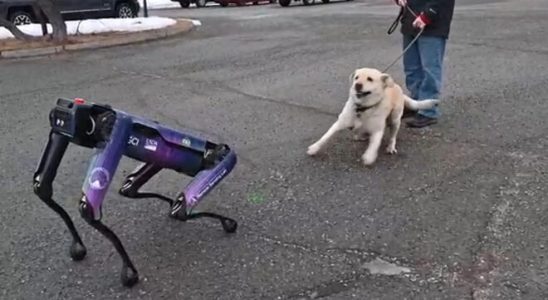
{"x":369,"y":79}
{"x":357,"y":77}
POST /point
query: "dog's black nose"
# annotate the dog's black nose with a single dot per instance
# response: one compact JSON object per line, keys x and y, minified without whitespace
{"x":358,"y":86}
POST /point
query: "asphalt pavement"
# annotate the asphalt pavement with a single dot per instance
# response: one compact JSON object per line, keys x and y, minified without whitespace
{"x":459,"y":213}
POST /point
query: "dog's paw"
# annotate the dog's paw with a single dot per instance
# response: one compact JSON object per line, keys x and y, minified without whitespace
{"x":313,"y":150}
{"x":368,"y":159}
{"x":391,"y":149}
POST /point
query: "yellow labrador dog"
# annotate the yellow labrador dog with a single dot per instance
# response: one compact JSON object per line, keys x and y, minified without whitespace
{"x":374,"y":99}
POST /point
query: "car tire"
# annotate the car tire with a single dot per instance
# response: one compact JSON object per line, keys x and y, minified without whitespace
{"x":21,"y":17}
{"x":184,"y":3}
{"x":308,"y":2}
{"x":201,"y":3}
{"x":284,"y":3}
{"x":223,"y":3}
{"x":125,"y":10}
{"x":325,"y":1}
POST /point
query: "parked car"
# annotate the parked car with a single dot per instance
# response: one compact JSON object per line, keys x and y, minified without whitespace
{"x":20,"y":12}
{"x":202,"y":3}
{"x":242,"y":2}
{"x":186,"y":3}
{"x":305,"y":2}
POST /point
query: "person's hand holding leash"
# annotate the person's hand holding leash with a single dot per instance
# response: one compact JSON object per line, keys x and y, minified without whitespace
{"x":421,"y":21}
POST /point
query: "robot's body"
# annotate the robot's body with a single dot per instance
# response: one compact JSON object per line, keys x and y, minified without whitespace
{"x":115,"y":134}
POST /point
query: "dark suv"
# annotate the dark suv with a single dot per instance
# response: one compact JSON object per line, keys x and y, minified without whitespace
{"x":20,"y":12}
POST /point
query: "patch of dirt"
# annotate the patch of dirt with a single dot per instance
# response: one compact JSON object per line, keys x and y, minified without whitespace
{"x":14,"y":44}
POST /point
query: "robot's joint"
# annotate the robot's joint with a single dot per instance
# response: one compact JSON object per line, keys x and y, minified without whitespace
{"x":44,"y":192}
{"x":214,"y":155}
{"x":87,"y":211}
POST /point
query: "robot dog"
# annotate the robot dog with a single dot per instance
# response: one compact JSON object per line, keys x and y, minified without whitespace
{"x":114,"y":134}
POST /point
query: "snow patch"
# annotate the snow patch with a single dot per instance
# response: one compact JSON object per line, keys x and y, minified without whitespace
{"x":98,"y":26}
{"x":159,"y":4}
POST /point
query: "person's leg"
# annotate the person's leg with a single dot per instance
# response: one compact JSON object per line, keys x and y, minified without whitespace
{"x":432,"y":50}
{"x":412,"y":67}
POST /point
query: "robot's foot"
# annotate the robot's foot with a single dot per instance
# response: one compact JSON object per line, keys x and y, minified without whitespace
{"x":77,"y":251}
{"x":129,"y":276}
{"x":178,"y":211}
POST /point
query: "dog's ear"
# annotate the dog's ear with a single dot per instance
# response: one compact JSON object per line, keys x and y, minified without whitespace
{"x":387,"y":80}
{"x":351,"y":77}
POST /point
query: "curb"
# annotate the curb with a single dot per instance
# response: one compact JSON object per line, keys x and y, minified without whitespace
{"x":132,"y":38}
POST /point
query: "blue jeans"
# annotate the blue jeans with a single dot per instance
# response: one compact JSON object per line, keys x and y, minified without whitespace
{"x":423,"y":67}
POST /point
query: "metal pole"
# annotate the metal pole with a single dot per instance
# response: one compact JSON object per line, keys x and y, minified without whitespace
{"x":43,"y":23}
{"x":146,"y":8}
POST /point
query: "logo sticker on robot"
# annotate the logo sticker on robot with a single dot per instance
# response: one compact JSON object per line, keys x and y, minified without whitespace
{"x":99,"y":178}
{"x":186,"y":142}
{"x":133,"y":141}
{"x":151,"y":145}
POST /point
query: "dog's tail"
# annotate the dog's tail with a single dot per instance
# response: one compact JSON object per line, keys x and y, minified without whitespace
{"x":417,"y":105}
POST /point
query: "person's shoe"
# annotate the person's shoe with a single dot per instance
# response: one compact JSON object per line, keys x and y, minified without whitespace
{"x":421,"y":121}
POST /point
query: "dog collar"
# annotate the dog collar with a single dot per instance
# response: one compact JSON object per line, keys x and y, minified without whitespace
{"x":361,"y":108}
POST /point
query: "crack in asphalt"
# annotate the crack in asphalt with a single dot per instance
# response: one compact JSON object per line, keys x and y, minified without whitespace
{"x":489,"y":255}
{"x":483,"y":269}
{"x":223,"y":87}
{"x":344,"y":281}
{"x":285,"y":103}
{"x":323,"y":252}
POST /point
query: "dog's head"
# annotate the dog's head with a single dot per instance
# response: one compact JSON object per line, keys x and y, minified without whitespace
{"x":367,"y":83}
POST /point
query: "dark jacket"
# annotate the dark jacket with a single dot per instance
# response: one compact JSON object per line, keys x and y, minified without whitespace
{"x":437,"y":13}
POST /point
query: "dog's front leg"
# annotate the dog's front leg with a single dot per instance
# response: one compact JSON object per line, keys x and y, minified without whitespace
{"x":318,"y":145}
{"x":371,"y":153}
{"x":344,"y":121}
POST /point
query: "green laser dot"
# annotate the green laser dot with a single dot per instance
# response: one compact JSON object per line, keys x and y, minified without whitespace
{"x":256,"y":198}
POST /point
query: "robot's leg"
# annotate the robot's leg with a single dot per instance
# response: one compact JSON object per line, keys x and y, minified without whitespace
{"x":100,"y":174}
{"x":222,"y":161}
{"x":129,"y":275}
{"x":43,"y":179}
{"x":139,"y":177}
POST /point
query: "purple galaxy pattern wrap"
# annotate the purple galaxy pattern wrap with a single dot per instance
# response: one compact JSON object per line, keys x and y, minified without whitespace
{"x":104,"y":164}
{"x":208,"y":179}
{"x":165,"y":147}
{"x":150,"y":142}
{"x":183,"y":152}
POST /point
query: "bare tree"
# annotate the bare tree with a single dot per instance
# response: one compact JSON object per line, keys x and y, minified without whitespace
{"x":53,"y":14}
{"x":44,"y":10}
